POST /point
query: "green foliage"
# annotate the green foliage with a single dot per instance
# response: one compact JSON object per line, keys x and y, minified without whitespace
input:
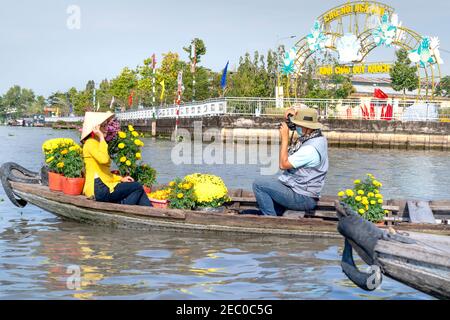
{"x":403,"y":75}
{"x":16,"y":102}
{"x":125,"y":151}
{"x":73,"y":164}
{"x":181,"y":195}
{"x":365,"y":199}
{"x":145,"y":174}
{"x":200,"y":49}
{"x":443,"y":88}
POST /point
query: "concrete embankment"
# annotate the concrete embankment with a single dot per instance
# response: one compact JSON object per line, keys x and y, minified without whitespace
{"x":340,"y":133}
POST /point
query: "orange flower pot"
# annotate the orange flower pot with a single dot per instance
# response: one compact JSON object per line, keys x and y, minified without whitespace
{"x":73,"y":186}
{"x":161,"y":204}
{"x":55,"y":181}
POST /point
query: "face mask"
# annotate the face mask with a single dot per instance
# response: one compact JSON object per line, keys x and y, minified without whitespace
{"x":299,"y":132}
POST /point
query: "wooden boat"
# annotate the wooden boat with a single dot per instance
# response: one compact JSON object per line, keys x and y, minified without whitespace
{"x":29,"y":187}
{"x":421,"y":261}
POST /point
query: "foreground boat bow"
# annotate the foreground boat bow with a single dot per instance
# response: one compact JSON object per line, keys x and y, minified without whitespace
{"x":421,"y":261}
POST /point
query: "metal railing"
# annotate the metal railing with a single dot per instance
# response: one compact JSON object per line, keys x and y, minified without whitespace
{"x":357,"y":108}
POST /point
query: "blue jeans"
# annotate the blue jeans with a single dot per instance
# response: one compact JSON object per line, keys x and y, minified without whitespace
{"x":131,"y":193}
{"x":274,"y":198}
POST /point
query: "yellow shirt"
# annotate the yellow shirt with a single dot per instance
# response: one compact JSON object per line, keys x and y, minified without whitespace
{"x":97,"y":163}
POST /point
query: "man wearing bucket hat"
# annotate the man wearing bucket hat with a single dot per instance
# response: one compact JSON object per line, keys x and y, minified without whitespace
{"x":304,"y":165}
{"x":100,"y":182}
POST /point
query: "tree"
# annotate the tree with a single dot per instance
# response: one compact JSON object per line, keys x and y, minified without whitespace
{"x":443,"y":88}
{"x":403,"y":75}
{"x":170,"y":66}
{"x":200,"y":50}
{"x":122,"y":85}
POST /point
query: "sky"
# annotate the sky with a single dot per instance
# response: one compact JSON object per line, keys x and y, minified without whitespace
{"x":39,"y":51}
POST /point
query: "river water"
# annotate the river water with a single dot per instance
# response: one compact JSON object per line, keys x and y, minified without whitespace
{"x":38,"y":251}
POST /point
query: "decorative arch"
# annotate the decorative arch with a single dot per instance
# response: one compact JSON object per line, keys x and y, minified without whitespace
{"x":353,"y":30}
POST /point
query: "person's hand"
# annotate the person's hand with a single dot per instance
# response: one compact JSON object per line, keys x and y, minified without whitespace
{"x":284,"y":132}
{"x":127,"y":179}
{"x":290,"y":112}
{"x":96,"y":130}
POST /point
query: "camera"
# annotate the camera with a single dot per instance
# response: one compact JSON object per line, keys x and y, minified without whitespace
{"x":292,"y":126}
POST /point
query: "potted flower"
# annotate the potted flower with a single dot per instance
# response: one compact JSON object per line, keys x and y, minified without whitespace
{"x":366,"y":199}
{"x":181,"y":194}
{"x":210,"y":192}
{"x":145,"y":175}
{"x":125,"y":150}
{"x":160,"y":198}
{"x":73,"y":171}
{"x":54,"y":151}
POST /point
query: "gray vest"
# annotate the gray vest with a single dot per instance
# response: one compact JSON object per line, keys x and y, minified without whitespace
{"x":309,"y":181}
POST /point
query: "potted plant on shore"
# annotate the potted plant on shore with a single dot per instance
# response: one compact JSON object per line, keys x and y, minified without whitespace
{"x":73,"y":171}
{"x":365,"y":199}
{"x":145,"y":175}
{"x":54,"y":152}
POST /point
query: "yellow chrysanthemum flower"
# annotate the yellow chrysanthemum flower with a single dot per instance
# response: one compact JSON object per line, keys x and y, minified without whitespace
{"x":122,"y":135}
{"x":123,"y":159}
{"x":379,"y":196}
{"x":361,"y":211}
{"x":137,"y":142}
{"x":130,"y":128}
{"x":357,"y":181}
{"x":180,"y":195}
{"x":128,"y":163}
{"x":361,"y":192}
{"x":60,"y":165}
{"x":138,"y":155}
{"x":341,"y":194}
{"x":50,"y":159}
{"x":373,"y":202}
{"x":380,"y":201}
{"x":171,"y":183}
{"x":358,"y":198}
{"x":135,"y":134}
{"x":349,"y":193}
{"x":386,"y":211}
{"x":371,"y":194}
{"x":121,"y":145}
{"x":64,"y":152}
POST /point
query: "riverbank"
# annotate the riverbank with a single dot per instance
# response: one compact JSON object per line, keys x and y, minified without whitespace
{"x":340,"y":133}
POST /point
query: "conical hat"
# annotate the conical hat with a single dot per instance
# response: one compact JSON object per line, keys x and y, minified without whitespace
{"x":92,"y":119}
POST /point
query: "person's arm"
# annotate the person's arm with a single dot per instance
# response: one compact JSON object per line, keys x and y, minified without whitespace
{"x":98,"y":151}
{"x":307,"y":157}
{"x":284,"y":134}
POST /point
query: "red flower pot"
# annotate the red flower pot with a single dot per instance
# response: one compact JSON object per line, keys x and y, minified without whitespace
{"x":55,"y":181}
{"x":73,"y":186}
{"x":147,"y":189}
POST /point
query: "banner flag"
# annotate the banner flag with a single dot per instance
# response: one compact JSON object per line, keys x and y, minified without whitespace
{"x":223,"y":82}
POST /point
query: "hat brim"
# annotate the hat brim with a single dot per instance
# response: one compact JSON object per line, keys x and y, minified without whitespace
{"x":308,"y":124}
{"x":93,"y":119}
